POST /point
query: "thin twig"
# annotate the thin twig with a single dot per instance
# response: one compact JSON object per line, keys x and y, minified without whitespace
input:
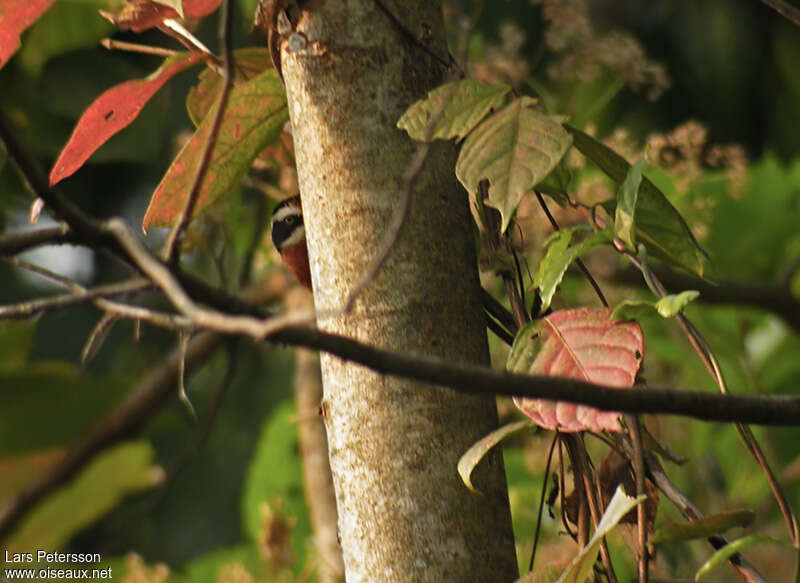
{"x":170,"y":321}
{"x":394,"y":228}
{"x":541,"y":499}
{"x":708,"y":357}
{"x":498,"y":330}
{"x":592,"y":496}
{"x":19,"y":242}
{"x":784,"y":9}
{"x":226,"y":19}
{"x":118,"y":45}
{"x":689,"y":511}
{"x":400,"y":216}
{"x":632,"y":421}
{"x":755,"y":409}
{"x":412,"y":39}
{"x":145,"y":399}
{"x":33,"y":307}
{"x":498,"y":311}
{"x":775,"y":297}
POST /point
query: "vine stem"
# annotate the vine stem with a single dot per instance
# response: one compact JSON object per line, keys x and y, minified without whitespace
{"x":226,"y":19}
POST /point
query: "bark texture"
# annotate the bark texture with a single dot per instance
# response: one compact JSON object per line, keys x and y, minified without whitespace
{"x":404,"y":514}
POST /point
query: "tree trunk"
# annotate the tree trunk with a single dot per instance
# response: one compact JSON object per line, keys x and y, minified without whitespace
{"x":404,"y":514}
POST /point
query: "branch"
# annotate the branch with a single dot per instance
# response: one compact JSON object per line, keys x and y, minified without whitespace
{"x":19,"y":242}
{"x":755,"y":409}
{"x":32,"y":307}
{"x":784,"y":9}
{"x":771,"y":297}
{"x":122,"y":422}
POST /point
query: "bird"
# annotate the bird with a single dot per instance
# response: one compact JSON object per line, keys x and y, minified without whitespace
{"x":289,"y":238}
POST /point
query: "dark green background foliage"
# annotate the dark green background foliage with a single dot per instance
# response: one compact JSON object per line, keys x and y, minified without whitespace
{"x":733,"y":67}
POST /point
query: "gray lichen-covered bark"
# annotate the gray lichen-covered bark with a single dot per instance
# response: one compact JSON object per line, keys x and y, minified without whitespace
{"x":404,"y":514}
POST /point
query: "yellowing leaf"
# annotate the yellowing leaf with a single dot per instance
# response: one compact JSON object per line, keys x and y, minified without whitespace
{"x":472,"y":457}
{"x":514,"y":149}
{"x":250,"y":62}
{"x":100,"y":486}
{"x":581,"y":566}
{"x":465,"y":103}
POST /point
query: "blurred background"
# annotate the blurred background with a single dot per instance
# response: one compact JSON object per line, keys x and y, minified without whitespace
{"x":709,"y":89}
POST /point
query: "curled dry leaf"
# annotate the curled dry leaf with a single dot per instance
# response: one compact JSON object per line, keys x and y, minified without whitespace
{"x":112,"y":112}
{"x":581,"y":344}
{"x":140,"y":15}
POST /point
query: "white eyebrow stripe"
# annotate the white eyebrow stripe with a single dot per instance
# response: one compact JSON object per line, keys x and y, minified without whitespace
{"x":285,"y":212}
{"x":298,"y":234}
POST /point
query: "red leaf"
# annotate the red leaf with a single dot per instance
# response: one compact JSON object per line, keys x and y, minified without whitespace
{"x":113,"y":111}
{"x":16,"y":16}
{"x":580,"y":344}
{"x":139,"y":15}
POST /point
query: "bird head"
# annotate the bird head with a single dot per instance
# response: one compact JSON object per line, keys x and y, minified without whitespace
{"x":289,"y":238}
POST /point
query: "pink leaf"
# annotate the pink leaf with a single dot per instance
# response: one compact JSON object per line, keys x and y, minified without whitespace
{"x":113,"y":111}
{"x":581,"y":344}
{"x":15,"y":17}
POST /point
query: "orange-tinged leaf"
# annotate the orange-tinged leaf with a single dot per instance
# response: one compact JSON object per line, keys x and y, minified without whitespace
{"x":140,"y":15}
{"x":15,"y":17}
{"x":113,"y":111}
{"x":581,"y":344}
{"x":254,"y":118}
{"x":250,"y":62}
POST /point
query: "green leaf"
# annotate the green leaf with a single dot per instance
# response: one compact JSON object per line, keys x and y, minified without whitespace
{"x":659,"y":225}
{"x":254,"y":118}
{"x":703,"y":527}
{"x":559,"y":256}
{"x":466,"y":103}
{"x":514,"y":149}
{"x":16,"y":342}
{"x":115,"y":473}
{"x":627,"y":195}
{"x":633,"y":309}
{"x":556,"y":184}
{"x":726,"y":552}
{"x":472,"y":457}
{"x":277,"y":448}
{"x":581,"y":566}
{"x":672,"y":305}
{"x":66,"y":26}
{"x":46,"y":390}
{"x":250,"y":62}
{"x":667,"y":307}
